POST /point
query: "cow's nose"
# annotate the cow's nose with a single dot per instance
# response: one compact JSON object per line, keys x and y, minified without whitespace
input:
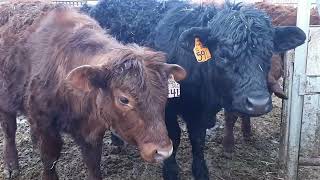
{"x":151,"y":152}
{"x":163,"y":153}
{"x":258,"y":105}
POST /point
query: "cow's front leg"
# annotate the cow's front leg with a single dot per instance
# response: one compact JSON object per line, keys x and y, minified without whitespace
{"x":197,"y":138}
{"x":197,"y":135}
{"x":246,"y":128}
{"x":91,"y":153}
{"x":170,"y":169}
{"x":228,"y":139}
{"x":10,"y":154}
{"x":50,"y":144}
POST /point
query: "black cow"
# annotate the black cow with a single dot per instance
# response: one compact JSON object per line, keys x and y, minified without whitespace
{"x":241,"y":41}
{"x":129,"y":21}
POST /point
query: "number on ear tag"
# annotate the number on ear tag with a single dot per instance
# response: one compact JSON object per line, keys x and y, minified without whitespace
{"x":173,"y":88}
{"x":202,"y":53}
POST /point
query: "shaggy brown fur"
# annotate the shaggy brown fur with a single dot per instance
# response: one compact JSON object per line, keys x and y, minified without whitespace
{"x":286,"y":15}
{"x":60,"y":69}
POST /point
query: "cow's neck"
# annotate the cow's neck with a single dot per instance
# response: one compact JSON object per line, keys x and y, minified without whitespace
{"x":80,"y":109}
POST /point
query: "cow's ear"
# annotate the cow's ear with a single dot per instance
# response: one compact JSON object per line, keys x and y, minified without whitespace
{"x":286,"y":38}
{"x":186,"y":39}
{"x":178,"y":72}
{"x":86,"y":78}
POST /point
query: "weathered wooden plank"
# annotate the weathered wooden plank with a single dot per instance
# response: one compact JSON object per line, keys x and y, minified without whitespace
{"x":284,"y":130}
{"x":309,"y":85}
{"x":310,"y":129}
{"x":313,"y":64}
{"x":296,"y":107}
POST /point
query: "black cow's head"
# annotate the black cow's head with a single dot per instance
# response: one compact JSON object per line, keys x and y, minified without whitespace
{"x":241,"y":41}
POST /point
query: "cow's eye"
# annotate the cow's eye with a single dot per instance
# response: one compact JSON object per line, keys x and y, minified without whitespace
{"x":124,"y":100}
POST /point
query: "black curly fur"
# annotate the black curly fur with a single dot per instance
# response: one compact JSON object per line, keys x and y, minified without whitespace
{"x":129,"y":20}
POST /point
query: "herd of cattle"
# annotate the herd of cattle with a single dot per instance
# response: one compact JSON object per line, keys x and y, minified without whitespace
{"x":61,"y":69}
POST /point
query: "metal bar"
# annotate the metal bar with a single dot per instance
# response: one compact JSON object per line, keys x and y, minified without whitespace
{"x":296,"y":110}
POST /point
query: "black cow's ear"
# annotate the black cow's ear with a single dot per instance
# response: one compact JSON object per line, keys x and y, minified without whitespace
{"x":186,"y":39}
{"x":286,"y":38}
{"x":86,"y":78}
{"x":178,"y":72}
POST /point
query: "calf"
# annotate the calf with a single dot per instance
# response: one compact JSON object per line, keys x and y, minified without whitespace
{"x":232,"y":72}
{"x":281,"y":16}
{"x":60,"y":69}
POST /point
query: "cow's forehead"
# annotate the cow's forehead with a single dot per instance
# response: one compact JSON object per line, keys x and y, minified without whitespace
{"x":247,"y":32}
{"x":244,"y":21}
{"x":145,"y":83}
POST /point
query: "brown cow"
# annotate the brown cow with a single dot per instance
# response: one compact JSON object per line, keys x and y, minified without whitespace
{"x":281,"y":16}
{"x":59,"y":68}
{"x":286,"y":15}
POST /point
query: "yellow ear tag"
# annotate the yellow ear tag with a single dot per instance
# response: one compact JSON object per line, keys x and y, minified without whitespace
{"x":202,"y":53}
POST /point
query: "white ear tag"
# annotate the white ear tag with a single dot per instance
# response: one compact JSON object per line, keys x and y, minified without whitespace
{"x":173,"y":87}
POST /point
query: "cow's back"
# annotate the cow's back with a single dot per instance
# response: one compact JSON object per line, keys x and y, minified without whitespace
{"x":16,"y":23}
{"x":40,"y":44}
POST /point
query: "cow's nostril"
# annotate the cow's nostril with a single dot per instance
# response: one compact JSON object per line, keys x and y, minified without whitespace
{"x":258,"y":105}
{"x":162,"y":154}
{"x":262,"y":101}
{"x":249,"y":104}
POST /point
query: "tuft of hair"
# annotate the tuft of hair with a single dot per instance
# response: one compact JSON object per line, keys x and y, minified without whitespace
{"x":245,"y":29}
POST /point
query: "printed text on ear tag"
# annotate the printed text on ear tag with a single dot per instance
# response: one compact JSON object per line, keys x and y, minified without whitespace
{"x":202,"y":53}
{"x":173,"y":88}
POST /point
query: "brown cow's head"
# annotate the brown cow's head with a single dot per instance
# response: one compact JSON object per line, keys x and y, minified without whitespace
{"x":132,"y":92}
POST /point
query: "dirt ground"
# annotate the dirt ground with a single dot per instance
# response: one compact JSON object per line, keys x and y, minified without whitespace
{"x":255,"y":160}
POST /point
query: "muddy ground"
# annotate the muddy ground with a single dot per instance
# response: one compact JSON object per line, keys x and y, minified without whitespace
{"x":255,"y":160}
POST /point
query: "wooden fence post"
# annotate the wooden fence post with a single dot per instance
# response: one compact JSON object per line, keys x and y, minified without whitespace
{"x":296,"y":106}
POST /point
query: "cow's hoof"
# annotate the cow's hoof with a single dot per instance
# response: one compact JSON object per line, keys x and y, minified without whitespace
{"x":11,"y":174}
{"x":228,"y":155}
